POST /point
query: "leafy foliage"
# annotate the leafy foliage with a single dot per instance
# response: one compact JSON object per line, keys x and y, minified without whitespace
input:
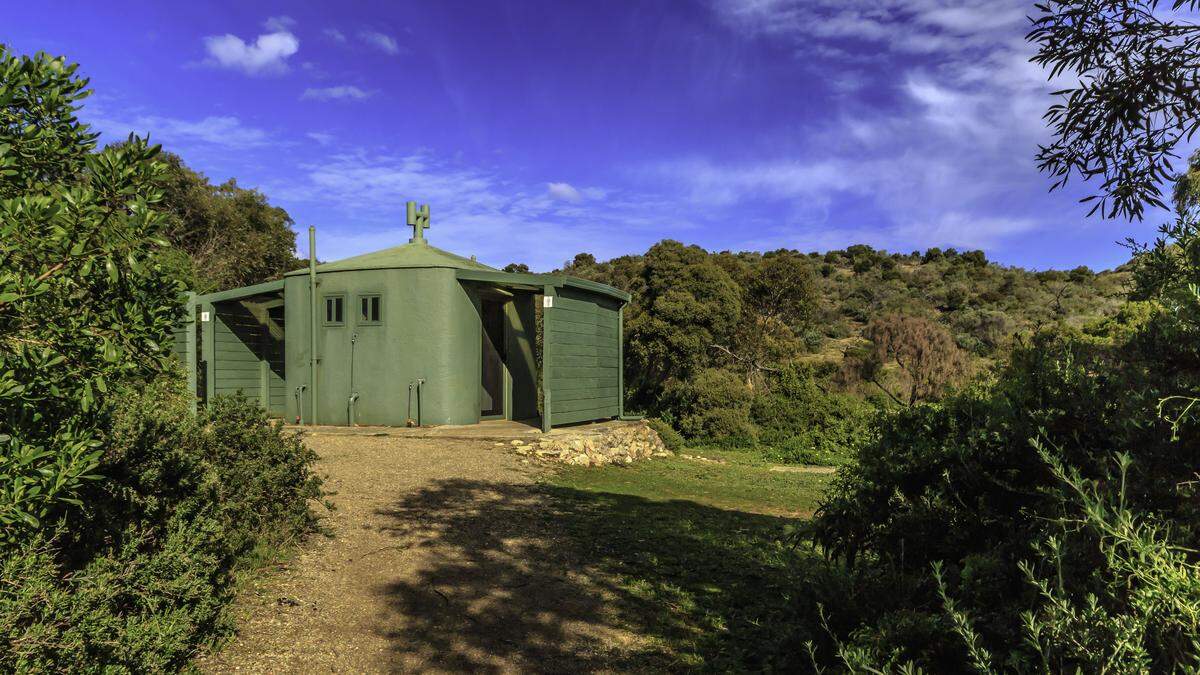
{"x":123,"y":517}
{"x":139,"y":579}
{"x":671,"y":439}
{"x":786,"y":309}
{"x":686,"y":304}
{"x":1136,"y":97}
{"x":714,"y":405}
{"x":84,"y":300}
{"x":799,"y":422}
{"x":223,"y":236}
{"x":923,"y":350}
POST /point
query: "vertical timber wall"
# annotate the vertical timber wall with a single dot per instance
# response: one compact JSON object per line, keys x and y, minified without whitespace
{"x":583,"y":356}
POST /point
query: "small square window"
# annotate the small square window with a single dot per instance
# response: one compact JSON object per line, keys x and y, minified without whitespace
{"x":370,"y":309}
{"x":335,"y":308}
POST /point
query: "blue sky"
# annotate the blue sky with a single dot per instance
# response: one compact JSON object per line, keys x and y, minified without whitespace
{"x":536,"y":130}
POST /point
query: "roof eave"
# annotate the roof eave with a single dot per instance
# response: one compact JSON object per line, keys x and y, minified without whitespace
{"x":541,"y":280}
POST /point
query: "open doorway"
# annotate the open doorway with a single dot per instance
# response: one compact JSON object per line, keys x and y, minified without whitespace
{"x":491,"y":389}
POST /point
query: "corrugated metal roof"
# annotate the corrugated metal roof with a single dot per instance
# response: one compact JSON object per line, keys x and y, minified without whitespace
{"x":413,"y":254}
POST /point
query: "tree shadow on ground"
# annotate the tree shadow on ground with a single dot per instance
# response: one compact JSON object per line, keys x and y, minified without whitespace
{"x":540,"y":578}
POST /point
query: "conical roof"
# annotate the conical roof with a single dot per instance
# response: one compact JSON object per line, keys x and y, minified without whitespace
{"x":412,"y":254}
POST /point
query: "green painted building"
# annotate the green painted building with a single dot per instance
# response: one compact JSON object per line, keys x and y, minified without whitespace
{"x":412,"y":334}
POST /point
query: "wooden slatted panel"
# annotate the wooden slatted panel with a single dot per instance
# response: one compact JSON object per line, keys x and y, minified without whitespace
{"x":583,"y":362}
{"x":179,"y":341}
{"x":245,"y":356}
{"x":236,"y":338}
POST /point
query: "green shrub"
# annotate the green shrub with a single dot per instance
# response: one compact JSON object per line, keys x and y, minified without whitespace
{"x":671,"y":439}
{"x":84,"y":302}
{"x":139,"y":579}
{"x":957,"y":483}
{"x":801,"y":424}
{"x":714,"y":407}
{"x":813,"y":340}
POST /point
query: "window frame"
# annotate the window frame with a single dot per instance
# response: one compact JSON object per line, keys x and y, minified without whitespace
{"x":325,"y":318}
{"x":359,"y":317}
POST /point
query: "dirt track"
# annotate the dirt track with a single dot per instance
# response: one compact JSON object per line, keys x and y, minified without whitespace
{"x":443,"y":558}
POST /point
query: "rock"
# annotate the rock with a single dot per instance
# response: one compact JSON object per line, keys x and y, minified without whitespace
{"x":616,"y":443}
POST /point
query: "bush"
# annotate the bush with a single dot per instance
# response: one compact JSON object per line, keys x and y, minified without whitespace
{"x":801,"y":424}
{"x":139,"y":578}
{"x":84,"y":300}
{"x":958,"y":484}
{"x":671,"y":439}
{"x":714,"y":407}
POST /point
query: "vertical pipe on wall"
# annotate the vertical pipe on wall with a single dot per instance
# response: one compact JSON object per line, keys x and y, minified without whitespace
{"x":312,"y":324}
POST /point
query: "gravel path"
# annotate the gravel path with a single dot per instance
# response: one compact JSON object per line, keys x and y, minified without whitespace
{"x":442,"y":559}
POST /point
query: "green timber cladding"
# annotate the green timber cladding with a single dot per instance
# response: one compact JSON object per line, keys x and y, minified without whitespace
{"x":412,"y":334}
{"x":582,"y":356}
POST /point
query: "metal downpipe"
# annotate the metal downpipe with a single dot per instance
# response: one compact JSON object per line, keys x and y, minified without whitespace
{"x":312,"y":330}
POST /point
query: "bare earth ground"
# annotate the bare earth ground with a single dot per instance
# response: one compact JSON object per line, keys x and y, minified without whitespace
{"x":443,"y":557}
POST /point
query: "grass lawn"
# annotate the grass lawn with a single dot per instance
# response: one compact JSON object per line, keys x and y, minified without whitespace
{"x":704,"y":555}
{"x":743,"y":482}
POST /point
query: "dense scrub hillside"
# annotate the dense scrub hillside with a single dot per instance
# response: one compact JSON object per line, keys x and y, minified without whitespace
{"x":794,"y":351}
{"x":981,"y":302}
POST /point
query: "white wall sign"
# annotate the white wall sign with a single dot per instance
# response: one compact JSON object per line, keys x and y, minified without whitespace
{"x":547,"y":301}
{"x":204,"y":316}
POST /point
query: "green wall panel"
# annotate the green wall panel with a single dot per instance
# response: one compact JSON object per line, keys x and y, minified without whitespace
{"x":583,"y":361}
{"x":430,"y":330}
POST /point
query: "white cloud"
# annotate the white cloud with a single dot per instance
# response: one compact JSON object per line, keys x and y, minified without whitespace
{"x":721,"y":184}
{"x":563,"y":191}
{"x":343,"y":92}
{"x":279,"y":23}
{"x":381,"y":41}
{"x":268,"y":53}
{"x":939,"y":149}
{"x":321,"y":137}
{"x":474,"y":210}
{"x":334,"y":34}
{"x":907,"y":26}
{"x":223,"y":131}
{"x":962,"y":230}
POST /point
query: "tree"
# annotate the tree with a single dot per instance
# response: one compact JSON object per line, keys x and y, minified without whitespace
{"x":688,"y":303}
{"x":226,"y":235}
{"x":84,"y":299}
{"x":923,"y":350}
{"x":519,"y":268}
{"x":778,"y":295}
{"x":1165,"y":269}
{"x":1137,"y":95}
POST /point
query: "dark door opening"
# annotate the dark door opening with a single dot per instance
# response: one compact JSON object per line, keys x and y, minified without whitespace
{"x":491,"y":390}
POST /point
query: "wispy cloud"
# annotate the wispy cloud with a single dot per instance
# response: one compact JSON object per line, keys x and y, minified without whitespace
{"x":564,"y":191}
{"x":904,"y":26}
{"x":268,"y":53}
{"x":220,"y":131}
{"x":280,"y":23}
{"x":939,"y":161}
{"x":475,"y":209}
{"x":321,"y":137}
{"x":343,"y":92}
{"x":334,"y":34}
{"x":381,"y":41}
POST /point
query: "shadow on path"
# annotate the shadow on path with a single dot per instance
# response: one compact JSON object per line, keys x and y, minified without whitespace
{"x":538,"y":578}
